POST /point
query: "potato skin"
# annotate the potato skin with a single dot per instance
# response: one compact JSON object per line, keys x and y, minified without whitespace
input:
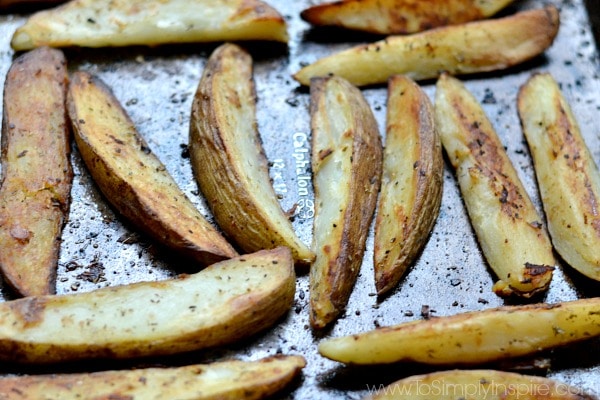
{"x":221,"y":304}
{"x":473,"y":47}
{"x":36,"y":171}
{"x":567,"y":176}
{"x":473,"y":337}
{"x":487,"y":384}
{"x":228,"y":160}
{"x":412,"y":181}
{"x":509,"y":230}
{"x":27,"y":5}
{"x":104,"y":23}
{"x":133,"y":179}
{"x":219,"y":380}
{"x":346,"y":164}
{"x":400,"y":16}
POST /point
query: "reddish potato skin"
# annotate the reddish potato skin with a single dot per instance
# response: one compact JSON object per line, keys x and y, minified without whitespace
{"x":36,"y":172}
{"x":27,"y":5}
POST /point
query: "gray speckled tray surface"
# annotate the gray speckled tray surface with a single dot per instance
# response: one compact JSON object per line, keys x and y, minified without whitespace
{"x":156,"y":86}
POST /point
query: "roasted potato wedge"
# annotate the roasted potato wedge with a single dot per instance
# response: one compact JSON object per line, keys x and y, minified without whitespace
{"x":458,"y":49}
{"x":400,"y":16}
{"x":219,"y":380}
{"x":479,"y":384}
{"x":510,"y":231}
{"x":228,"y":160}
{"x":223,"y":303}
{"x":346,"y":165}
{"x":473,"y":337}
{"x":132,"y":178}
{"x":567,"y":176}
{"x":36,"y":171}
{"x":412,"y":181}
{"x":102,"y":23}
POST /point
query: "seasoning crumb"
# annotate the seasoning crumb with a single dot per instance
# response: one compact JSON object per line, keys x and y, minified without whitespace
{"x":426,"y":311}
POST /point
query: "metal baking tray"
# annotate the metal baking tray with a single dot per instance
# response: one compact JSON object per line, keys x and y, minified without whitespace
{"x":156,"y":86}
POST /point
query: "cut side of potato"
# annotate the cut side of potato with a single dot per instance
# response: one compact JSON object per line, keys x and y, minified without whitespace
{"x":228,"y":160}
{"x":346,"y":164}
{"x":471,"y":338}
{"x":36,"y":171}
{"x":225,"y":302}
{"x":473,"y":47}
{"x":133,"y":179}
{"x":510,"y":231}
{"x":219,"y":380}
{"x":567,"y":176}
{"x":412,"y":181}
{"x":102,"y":23}
{"x":479,"y":384}
{"x":400,"y":16}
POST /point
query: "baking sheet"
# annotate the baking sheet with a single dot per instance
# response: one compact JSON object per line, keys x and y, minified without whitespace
{"x":156,"y":86}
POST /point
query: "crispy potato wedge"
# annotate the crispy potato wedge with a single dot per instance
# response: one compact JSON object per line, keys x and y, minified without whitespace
{"x":228,"y":160}
{"x":218,"y":380}
{"x":458,"y":49}
{"x":36,"y":171}
{"x":412,"y":181}
{"x":102,"y":23}
{"x":510,"y":231}
{"x":225,"y":302}
{"x":567,"y":176}
{"x":473,"y":337}
{"x":132,"y":178}
{"x":400,"y":16}
{"x":346,"y":161}
{"x":479,"y":384}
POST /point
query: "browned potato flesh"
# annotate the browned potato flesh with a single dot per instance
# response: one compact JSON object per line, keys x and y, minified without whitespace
{"x":458,"y":49}
{"x":510,"y":231}
{"x":36,"y":172}
{"x":220,"y":380}
{"x":133,"y":179}
{"x":567,"y":176}
{"x":411,"y":187}
{"x":346,"y":165}
{"x":472,"y":338}
{"x":101,"y":23}
{"x":479,"y":384}
{"x":400,"y":16}
{"x":228,"y":159}
{"x":225,"y":302}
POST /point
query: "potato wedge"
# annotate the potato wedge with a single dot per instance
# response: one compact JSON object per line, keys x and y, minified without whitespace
{"x":472,"y":337}
{"x":101,"y":23}
{"x":346,"y":165}
{"x":567,"y":176}
{"x":412,"y":181}
{"x":459,"y":49}
{"x":478,"y":384}
{"x":228,"y":160}
{"x":510,"y":231}
{"x":218,"y":380}
{"x":132,"y":178}
{"x":36,"y":171}
{"x":400,"y":16}
{"x":225,"y":302}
